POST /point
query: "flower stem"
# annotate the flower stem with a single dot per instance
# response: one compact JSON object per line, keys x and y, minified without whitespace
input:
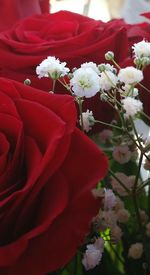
{"x":120,"y":182}
{"x":80,"y":101}
{"x":108,"y":124}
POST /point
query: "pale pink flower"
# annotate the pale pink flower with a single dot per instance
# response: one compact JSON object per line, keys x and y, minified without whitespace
{"x":122,"y":154}
{"x":93,"y":254}
{"x":128,"y":181}
{"x":109,"y":199}
{"x":135,"y":251}
{"x":119,"y":204}
{"x":109,"y":218}
{"x":122,"y":216}
{"x":105,"y":135}
{"x":144,"y":217}
{"x":116,"y":234}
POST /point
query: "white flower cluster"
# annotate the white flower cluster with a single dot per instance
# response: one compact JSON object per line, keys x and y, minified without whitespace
{"x":52,"y":67}
{"x":88,"y":120}
{"x":135,"y":251}
{"x":85,"y":82}
{"x":131,"y":106}
{"x":130,"y":75}
{"x":128,"y":181}
{"x":93,"y":254}
{"x":111,"y":215}
{"x":122,"y":154}
{"x":141,"y":52}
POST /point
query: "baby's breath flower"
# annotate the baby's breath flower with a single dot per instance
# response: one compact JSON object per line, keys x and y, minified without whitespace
{"x":116,"y":234}
{"x":108,"y":80}
{"x":85,"y":82}
{"x":93,"y":254}
{"x":119,"y":204}
{"x":105,"y":135}
{"x":122,"y":154}
{"x":27,"y":82}
{"x":109,"y":199}
{"x":91,"y":65}
{"x":132,"y":106}
{"x":51,"y":67}
{"x":135,"y":251}
{"x":109,"y":218}
{"x":128,"y":181}
{"x":143,"y":216}
{"x":88,"y":120}
{"x":106,"y":67}
{"x":141,"y":49}
{"x":130,"y":75}
{"x":109,"y":55}
{"x":122,"y":215}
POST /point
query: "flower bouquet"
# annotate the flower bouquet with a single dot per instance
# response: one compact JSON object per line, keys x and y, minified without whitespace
{"x":75,"y":196}
{"x":121,"y":229}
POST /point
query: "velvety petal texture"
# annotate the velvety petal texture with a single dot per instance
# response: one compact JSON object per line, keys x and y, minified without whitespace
{"x":47,"y":171}
{"x":13,"y":10}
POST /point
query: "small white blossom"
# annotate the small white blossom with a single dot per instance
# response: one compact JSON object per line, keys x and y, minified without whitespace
{"x":91,"y":65}
{"x":109,"y":199}
{"x":109,"y":55}
{"x":93,"y":254}
{"x":85,"y":82}
{"x":135,"y":251}
{"x":108,"y":80}
{"x":122,"y":154}
{"x":143,"y":216}
{"x":51,"y":67}
{"x":116,"y":234}
{"x":105,"y":135}
{"x":106,"y":67}
{"x":130,"y":75}
{"x":132,"y":106}
{"x":119,"y":204}
{"x":128,"y":181}
{"x":88,"y":120}
{"x":122,"y":215}
{"x":109,"y":218}
{"x":141,"y":49}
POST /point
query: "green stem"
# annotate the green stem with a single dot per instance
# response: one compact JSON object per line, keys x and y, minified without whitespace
{"x":108,"y":124}
{"x":143,"y":184}
{"x":116,"y":64}
{"x":120,"y":182}
{"x":138,"y":173}
{"x":54,"y":84}
{"x":80,"y":101}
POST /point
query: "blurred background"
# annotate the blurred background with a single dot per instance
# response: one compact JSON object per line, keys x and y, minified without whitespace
{"x":105,"y":10}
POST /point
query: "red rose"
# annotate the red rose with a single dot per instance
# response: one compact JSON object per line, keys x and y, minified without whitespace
{"x":47,"y":170}
{"x":69,"y":36}
{"x":14,"y":10}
